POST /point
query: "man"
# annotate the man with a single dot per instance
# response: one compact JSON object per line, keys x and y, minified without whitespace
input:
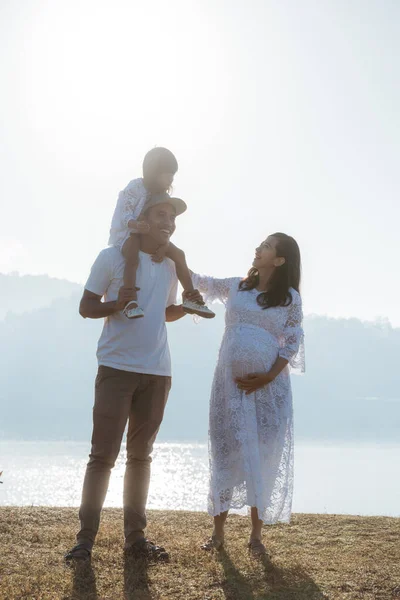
{"x":134,"y":377}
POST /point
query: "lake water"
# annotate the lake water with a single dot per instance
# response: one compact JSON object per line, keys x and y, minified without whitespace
{"x":336,"y":479}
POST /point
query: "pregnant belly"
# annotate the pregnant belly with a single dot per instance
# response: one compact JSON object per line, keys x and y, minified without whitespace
{"x":250,"y":350}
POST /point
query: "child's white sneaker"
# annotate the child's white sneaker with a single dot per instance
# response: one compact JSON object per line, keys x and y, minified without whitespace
{"x":133,"y":311}
{"x":193,"y":308}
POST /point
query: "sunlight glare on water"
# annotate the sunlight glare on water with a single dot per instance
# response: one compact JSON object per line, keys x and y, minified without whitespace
{"x":329,"y":478}
{"x":179,"y":477}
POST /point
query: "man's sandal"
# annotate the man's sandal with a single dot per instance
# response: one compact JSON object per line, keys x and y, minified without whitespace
{"x":79,"y":553}
{"x":145,"y":549}
{"x":257,"y":549}
{"x":213,"y":543}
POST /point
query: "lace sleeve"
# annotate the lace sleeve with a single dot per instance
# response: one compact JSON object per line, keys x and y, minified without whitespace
{"x":293,"y":336}
{"x":131,"y":203}
{"x":214,"y":289}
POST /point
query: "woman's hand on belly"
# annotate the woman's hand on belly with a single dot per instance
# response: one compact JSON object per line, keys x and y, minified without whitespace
{"x":253,"y":381}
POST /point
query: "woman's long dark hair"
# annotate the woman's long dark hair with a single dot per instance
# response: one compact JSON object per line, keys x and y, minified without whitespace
{"x":284,"y":277}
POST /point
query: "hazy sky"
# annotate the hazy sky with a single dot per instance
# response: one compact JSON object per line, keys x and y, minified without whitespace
{"x":284,"y":115}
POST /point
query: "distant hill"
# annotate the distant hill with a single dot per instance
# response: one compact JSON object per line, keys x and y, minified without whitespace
{"x":48,"y":365}
{"x":23,"y":293}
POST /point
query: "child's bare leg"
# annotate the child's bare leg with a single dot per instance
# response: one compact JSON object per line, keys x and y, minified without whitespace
{"x":130,"y":252}
{"x":182,"y":270}
{"x":185,"y":278}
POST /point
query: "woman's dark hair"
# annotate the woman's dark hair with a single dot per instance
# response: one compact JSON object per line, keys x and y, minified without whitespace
{"x":284,"y":277}
{"x":159,"y":160}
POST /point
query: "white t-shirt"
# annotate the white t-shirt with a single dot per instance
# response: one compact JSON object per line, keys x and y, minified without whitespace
{"x":137,"y":345}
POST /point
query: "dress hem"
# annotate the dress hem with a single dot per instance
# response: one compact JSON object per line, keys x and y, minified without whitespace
{"x":260,"y":511}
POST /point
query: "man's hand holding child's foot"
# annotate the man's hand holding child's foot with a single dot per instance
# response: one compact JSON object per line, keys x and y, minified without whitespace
{"x":193,"y":304}
{"x":125,"y":295}
{"x":127,"y":303}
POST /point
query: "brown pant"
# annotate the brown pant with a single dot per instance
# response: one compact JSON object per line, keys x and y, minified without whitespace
{"x":121,"y":396}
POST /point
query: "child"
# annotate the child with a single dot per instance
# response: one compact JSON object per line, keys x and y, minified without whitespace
{"x":159,"y":168}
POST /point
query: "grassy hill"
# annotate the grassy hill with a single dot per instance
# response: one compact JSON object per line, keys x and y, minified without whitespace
{"x":317,"y":557}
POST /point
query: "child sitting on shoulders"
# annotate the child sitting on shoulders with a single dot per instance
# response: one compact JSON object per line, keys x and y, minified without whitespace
{"x":159,"y":169}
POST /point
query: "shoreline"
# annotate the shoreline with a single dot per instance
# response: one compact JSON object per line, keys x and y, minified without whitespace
{"x":185,"y":511}
{"x":51,"y":474}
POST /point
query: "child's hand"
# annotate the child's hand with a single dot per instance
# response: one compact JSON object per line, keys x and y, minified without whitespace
{"x":139,"y":226}
{"x":143,"y":227}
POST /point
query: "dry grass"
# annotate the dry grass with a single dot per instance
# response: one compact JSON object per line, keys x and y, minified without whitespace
{"x":316,"y":557}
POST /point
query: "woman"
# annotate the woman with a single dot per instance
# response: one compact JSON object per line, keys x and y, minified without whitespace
{"x":251,"y":415}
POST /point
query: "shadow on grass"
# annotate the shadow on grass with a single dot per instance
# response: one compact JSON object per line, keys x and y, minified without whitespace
{"x":136,"y":582}
{"x":84,"y":582}
{"x":277,"y":583}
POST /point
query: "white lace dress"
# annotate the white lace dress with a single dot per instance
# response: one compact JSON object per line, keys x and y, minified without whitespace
{"x":251,"y":437}
{"x":129,"y":206}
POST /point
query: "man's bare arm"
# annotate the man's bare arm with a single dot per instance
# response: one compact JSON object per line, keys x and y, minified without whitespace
{"x":174,"y":313}
{"x":91,"y":306}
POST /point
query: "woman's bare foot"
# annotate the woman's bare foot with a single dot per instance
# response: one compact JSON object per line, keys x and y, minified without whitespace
{"x":214,"y":543}
{"x":257,"y":548}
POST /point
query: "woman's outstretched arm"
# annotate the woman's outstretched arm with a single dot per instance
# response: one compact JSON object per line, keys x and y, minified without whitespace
{"x":212,"y":288}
